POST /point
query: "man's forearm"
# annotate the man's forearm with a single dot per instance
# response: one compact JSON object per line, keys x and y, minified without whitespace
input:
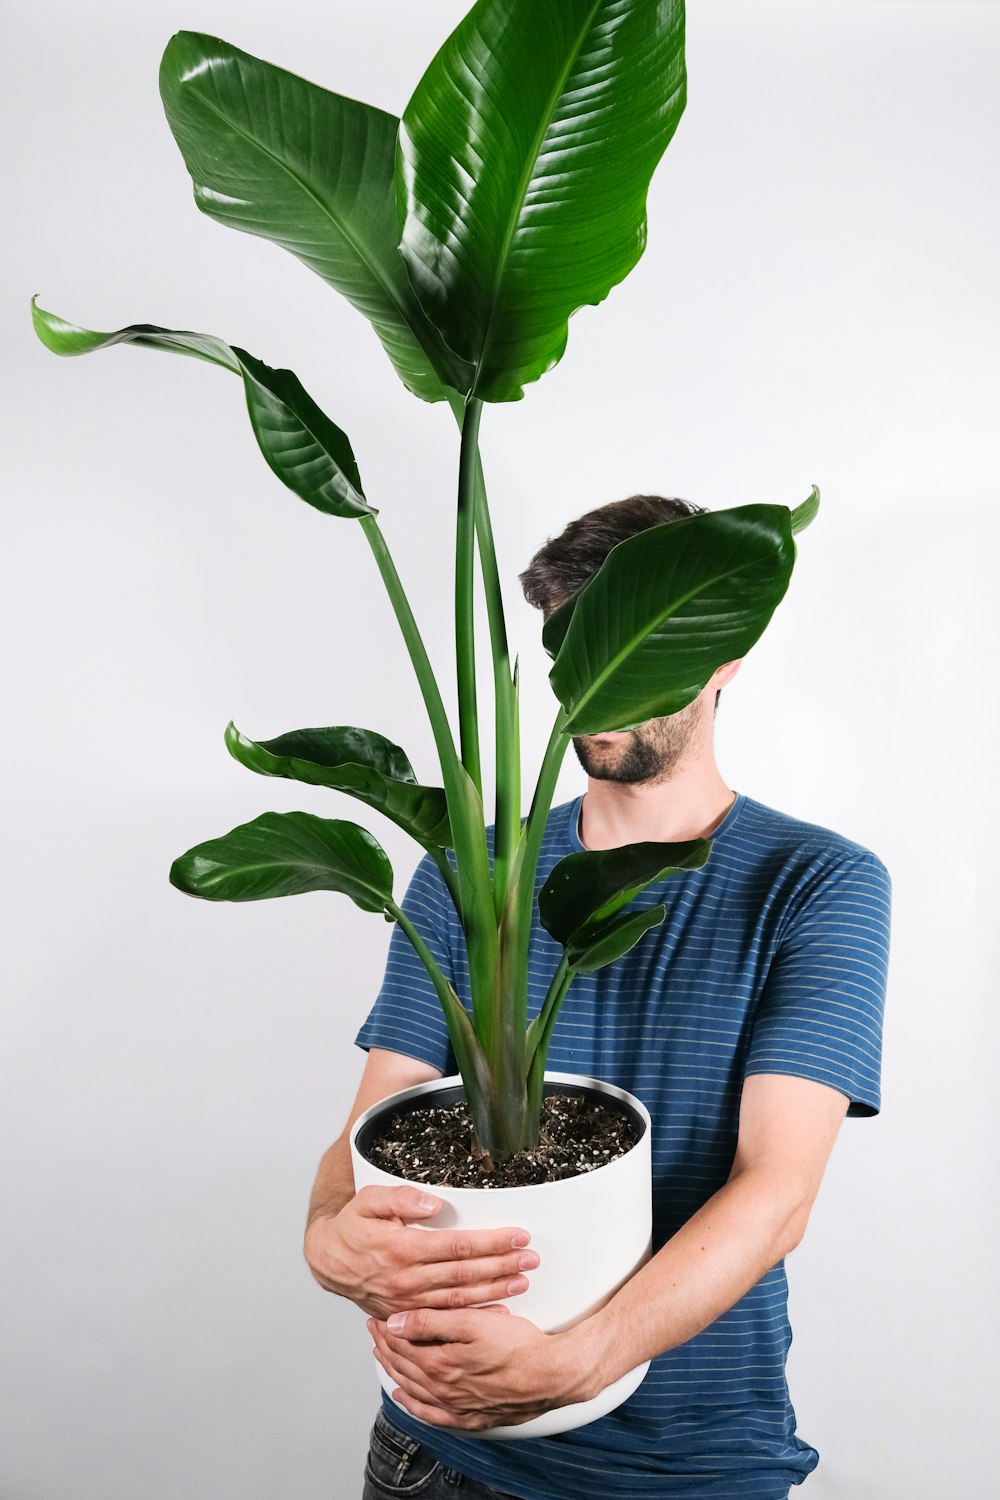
{"x":741,"y":1232}
{"x":334,"y":1185}
{"x":385,"y":1073}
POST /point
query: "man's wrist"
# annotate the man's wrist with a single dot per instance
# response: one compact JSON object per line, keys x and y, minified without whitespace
{"x":586,"y":1364}
{"x":319,"y":1246}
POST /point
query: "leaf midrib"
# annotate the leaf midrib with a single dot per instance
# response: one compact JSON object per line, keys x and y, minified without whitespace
{"x":315,"y":439}
{"x":324,"y":207}
{"x":637,"y":639}
{"x":381,"y":779}
{"x":303,"y":863}
{"x":526,"y":177}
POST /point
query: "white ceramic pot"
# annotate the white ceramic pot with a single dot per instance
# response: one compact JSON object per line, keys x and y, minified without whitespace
{"x":591,"y":1233}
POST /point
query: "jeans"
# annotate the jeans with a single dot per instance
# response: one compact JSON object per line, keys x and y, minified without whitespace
{"x":398,"y":1465}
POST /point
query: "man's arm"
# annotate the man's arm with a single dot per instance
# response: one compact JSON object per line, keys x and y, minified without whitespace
{"x":384,"y":1074}
{"x":361,"y":1245}
{"x":787,"y":1130}
{"x":473,"y":1370}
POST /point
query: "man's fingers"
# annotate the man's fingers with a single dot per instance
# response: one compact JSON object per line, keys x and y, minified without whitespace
{"x":454,"y":1249}
{"x":408,"y":1379}
{"x":426,"y":1325}
{"x":466,"y":1281}
{"x":407,"y":1203}
{"x":455,"y":1298}
{"x":400,"y":1367}
{"x":468,"y":1245}
{"x":437,"y":1416}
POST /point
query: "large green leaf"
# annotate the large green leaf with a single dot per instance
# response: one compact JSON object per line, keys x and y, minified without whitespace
{"x":667,"y":607}
{"x":608,"y":942}
{"x":525,"y":155}
{"x":356,"y":761}
{"x":276,"y":156}
{"x":586,"y":889}
{"x":285,"y":854}
{"x":304,"y":448}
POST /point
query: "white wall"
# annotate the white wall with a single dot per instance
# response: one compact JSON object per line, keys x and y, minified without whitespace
{"x":818,"y":302}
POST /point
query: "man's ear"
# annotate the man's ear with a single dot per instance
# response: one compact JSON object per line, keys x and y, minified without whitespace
{"x":722,"y":675}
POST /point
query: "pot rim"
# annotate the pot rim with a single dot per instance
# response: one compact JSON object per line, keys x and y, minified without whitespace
{"x":578,"y":1080}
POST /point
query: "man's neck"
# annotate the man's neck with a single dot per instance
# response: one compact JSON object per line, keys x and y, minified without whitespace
{"x":689,"y":805}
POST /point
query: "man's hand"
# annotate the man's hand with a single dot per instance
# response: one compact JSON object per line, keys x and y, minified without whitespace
{"x":368,"y":1253}
{"x":480,"y":1368}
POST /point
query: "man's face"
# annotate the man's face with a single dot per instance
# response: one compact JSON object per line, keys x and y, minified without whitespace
{"x":649,"y":753}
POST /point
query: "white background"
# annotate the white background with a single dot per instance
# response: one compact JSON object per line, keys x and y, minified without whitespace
{"x":818,"y":303}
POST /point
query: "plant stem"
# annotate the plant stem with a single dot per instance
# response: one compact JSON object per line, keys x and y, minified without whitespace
{"x":436,"y":712}
{"x":479,"y":916}
{"x":507,"y":822}
{"x":541,"y":1026}
{"x":469,"y":1054}
{"x":448,"y":875}
{"x":521,"y":895}
{"x":534,"y":828}
{"x":430,"y":692}
{"x":465,"y":554}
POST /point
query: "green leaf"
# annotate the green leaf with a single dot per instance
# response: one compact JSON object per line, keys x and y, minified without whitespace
{"x":585,"y":889}
{"x":356,"y":761}
{"x":303,"y":447}
{"x":525,"y":156}
{"x":612,"y":939}
{"x":557,"y":624}
{"x":285,"y":854}
{"x":67,"y":338}
{"x":276,"y":156}
{"x":667,"y":607}
{"x":803,"y":515}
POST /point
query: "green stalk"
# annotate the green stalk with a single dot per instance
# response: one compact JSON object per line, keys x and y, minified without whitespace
{"x":541,"y":1027}
{"x":507,"y":825}
{"x":539,"y":1036}
{"x":507,"y":822}
{"x":500,"y":1025}
{"x":471,"y":889}
{"x":534,"y":828}
{"x":433,"y":703}
{"x":511,"y":988}
{"x":436,"y":712}
{"x":448,"y":875}
{"x":479,"y":916}
{"x":465,"y":555}
{"x":505,"y":1047}
{"x":472,"y":1063}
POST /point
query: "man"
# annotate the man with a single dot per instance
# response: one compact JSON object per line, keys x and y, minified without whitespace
{"x":749,"y":1023}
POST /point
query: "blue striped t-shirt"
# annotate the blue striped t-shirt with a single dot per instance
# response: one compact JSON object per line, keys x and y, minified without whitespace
{"x":771,"y":959}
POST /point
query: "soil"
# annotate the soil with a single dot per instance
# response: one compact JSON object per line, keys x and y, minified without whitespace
{"x":433,"y":1144}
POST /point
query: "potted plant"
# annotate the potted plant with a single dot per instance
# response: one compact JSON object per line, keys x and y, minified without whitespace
{"x":511,"y":193}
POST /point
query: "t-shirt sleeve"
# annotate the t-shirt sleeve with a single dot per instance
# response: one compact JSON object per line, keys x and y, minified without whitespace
{"x":820,"y":1013}
{"x":406,"y":1016}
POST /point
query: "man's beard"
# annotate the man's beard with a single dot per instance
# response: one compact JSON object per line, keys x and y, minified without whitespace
{"x":651,"y":753}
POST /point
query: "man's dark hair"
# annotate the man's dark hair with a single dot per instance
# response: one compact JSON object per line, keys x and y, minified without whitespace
{"x":568,"y":560}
